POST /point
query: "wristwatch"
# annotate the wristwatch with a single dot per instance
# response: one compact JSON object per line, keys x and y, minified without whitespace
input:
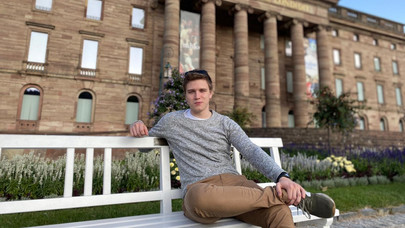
{"x":283,"y":174}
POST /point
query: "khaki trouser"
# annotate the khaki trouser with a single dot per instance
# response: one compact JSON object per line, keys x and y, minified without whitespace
{"x":230,"y":195}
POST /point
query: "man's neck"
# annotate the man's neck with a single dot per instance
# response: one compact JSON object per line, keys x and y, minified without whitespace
{"x":202,"y":115}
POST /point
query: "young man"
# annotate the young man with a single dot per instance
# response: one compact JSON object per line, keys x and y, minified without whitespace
{"x":200,"y":139}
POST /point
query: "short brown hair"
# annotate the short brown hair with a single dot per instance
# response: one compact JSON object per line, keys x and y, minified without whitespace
{"x":195,"y":75}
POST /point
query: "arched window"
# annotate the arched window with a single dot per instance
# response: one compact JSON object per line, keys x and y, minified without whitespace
{"x":132,"y":110}
{"x":383,"y":124}
{"x":84,"y":108}
{"x":30,"y":104}
{"x":362,"y":123}
{"x":264,"y":117}
{"x":401,"y":126}
{"x":291,"y":120}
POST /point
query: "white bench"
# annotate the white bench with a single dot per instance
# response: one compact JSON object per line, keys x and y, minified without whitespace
{"x":166,"y":218}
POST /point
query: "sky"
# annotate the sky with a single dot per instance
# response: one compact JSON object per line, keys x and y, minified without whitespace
{"x":390,"y":9}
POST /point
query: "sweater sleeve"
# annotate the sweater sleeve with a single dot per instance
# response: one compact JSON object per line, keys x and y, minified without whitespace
{"x":251,"y":152}
{"x":160,"y":128}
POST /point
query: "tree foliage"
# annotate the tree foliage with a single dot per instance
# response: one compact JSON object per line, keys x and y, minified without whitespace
{"x":241,"y":116}
{"x":335,"y":113}
{"x":171,"y":98}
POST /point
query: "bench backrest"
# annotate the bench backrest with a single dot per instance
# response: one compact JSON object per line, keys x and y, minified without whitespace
{"x":71,"y":143}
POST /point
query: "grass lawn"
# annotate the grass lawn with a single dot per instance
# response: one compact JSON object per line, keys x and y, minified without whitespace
{"x":346,"y":198}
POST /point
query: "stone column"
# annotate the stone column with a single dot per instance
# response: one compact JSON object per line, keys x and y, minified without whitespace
{"x":208,"y":34}
{"x":299,"y":84}
{"x":272,"y":77}
{"x":241,"y":57}
{"x":171,"y":37}
{"x":325,"y":77}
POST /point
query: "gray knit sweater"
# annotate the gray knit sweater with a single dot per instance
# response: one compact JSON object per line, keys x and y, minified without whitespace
{"x":202,"y":147}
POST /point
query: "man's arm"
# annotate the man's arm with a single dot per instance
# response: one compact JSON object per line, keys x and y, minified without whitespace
{"x":138,"y":129}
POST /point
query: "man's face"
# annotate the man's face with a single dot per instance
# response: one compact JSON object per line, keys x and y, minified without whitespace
{"x":198,"y":97}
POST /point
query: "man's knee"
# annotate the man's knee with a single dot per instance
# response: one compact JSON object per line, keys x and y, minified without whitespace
{"x":197,"y":197}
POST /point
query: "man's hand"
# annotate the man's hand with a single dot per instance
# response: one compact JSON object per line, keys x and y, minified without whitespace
{"x":294,"y":191}
{"x":138,"y":129}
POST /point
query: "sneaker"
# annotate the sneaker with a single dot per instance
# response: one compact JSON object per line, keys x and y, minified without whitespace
{"x":317,"y":204}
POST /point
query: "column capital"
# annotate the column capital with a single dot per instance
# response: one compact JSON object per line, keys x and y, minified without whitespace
{"x":217,"y":2}
{"x":295,"y":21}
{"x":270,"y":14}
{"x":239,"y":7}
{"x":154,"y":4}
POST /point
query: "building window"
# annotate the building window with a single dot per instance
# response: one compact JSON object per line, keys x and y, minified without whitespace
{"x":401,"y":126}
{"x":37,"y":50}
{"x":288,"y":48}
{"x":352,"y":15}
{"x":264,"y":124}
{"x":380,"y":94}
{"x":84,"y":108}
{"x":339,"y":87}
{"x":360,"y":91}
{"x":375,"y":42}
{"x":262,"y":42}
{"x":357,"y":60}
{"x":290,"y":88}
{"x":377,"y":65}
{"x":291,"y":120}
{"x":89,"y":54}
{"x":132,"y":110}
{"x":262,"y":78}
{"x":94,"y":9}
{"x":395,"y":67}
{"x":398,"y":95}
{"x":336,"y":57}
{"x":138,"y":18}
{"x":135,"y":60}
{"x":30,"y":104}
{"x":356,"y":37}
{"x":335,"y":32}
{"x":333,"y":10}
{"x":383,"y":125}
{"x":362,"y":123}
{"x":45,"y":5}
{"x":393,"y":46}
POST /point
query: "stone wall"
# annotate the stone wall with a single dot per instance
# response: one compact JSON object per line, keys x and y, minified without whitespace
{"x":319,"y":137}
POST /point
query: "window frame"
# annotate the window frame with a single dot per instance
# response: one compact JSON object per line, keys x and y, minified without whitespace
{"x":138,"y":97}
{"x":398,"y":96}
{"x":341,"y":86}
{"x":101,"y":13}
{"x":384,"y":121}
{"x":84,"y":71}
{"x":362,"y":91}
{"x":289,"y":85}
{"x":131,"y":17}
{"x":129,"y":60}
{"x":365,"y":122}
{"x":20,"y":101}
{"x":379,"y":64}
{"x":34,"y":7}
{"x":359,"y":61}
{"x":395,"y":63}
{"x":380,"y":95}
{"x":356,"y":37}
{"x":93,"y":105}
{"x":337,"y":62}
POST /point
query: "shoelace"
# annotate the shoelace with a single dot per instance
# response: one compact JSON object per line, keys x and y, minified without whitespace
{"x":304,"y":207}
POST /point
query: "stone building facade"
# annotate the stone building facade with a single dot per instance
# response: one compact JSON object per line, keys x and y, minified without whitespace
{"x":93,"y":66}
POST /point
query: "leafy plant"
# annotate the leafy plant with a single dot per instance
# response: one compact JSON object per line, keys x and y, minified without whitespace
{"x":171,"y":99}
{"x":241,"y":116}
{"x":335,"y":113}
